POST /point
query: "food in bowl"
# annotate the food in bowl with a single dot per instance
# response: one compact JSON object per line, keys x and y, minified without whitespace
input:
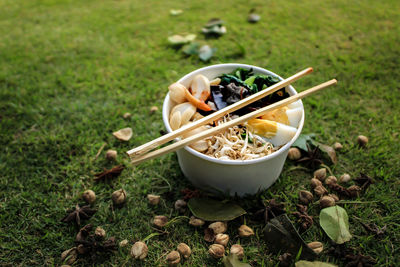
{"x":257,"y":137}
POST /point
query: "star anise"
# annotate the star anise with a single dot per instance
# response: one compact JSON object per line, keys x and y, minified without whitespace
{"x":96,"y":247}
{"x":364,"y":181}
{"x":305,"y":220}
{"x":313,"y":158}
{"x":109,"y":174}
{"x":188,"y":193}
{"x":373,"y":228}
{"x":359,"y":260}
{"x":270,"y":210}
{"x":79,"y":213}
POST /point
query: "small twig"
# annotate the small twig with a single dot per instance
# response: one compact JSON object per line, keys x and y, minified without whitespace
{"x":100,"y":150}
{"x":150,"y":236}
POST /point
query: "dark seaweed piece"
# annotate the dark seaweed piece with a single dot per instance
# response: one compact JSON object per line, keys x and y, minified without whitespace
{"x":234,"y":93}
{"x":218,"y":97}
{"x":79,"y":213}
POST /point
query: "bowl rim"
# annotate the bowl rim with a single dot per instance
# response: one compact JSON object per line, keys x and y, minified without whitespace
{"x":235,"y":162}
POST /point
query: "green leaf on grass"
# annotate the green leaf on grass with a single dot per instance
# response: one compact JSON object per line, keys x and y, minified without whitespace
{"x":302,"y":140}
{"x":313,"y":264}
{"x":335,"y":222}
{"x":213,"y":210}
{"x":175,"y":12}
{"x":206,"y":52}
{"x":233,"y":261}
{"x":191,"y":49}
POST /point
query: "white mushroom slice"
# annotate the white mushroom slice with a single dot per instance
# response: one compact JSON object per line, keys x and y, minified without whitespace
{"x":195,"y":131}
{"x":200,"y":87}
{"x":177,"y":93}
{"x":200,"y":146}
{"x":197,"y":116}
{"x":186,"y":111}
{"x":175,"y":120}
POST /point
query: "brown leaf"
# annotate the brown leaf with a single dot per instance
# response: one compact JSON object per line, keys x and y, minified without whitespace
{"x":109,"y":174}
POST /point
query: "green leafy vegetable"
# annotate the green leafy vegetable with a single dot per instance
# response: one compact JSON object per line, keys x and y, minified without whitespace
{"x":302,"y":141}
{"x":313,"y":264}
{"x":206,"y":52}
{"x":213,"y":210}
{"x":335,"y":222}
{"x":233,"y":261}
{"x":281,"y":236}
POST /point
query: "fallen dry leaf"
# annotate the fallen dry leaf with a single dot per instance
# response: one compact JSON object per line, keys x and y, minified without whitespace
{"x":123,"y":134}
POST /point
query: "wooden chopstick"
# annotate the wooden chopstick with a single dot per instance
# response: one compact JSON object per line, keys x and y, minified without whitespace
{"x":216,"y":115}
{"x":191,"y":139}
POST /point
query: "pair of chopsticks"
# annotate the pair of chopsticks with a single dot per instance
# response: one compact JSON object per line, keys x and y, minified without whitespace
{"x":139,"y":154}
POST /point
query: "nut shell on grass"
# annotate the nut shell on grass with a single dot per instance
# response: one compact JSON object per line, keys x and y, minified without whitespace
{"x":315,"y":182}
{"x":320,"y":190}
{"x":354,"y":190}
{"x":153,"y":199}
{"x":362,"y":140}
{"x":345,"y":178}
{"x":337,"y":146}
{"x":124,"y":134}
{"x":218,"y":227}
{"x":123,"y":243}
{"x":184,"y":250}
{"x":119,"y":197}
{"x":89,"y":196}
{"x":127,"y":115}
{"x":305,"y":197}
{"x":294,"y":153}
{"x":180,"y":205}
{"x":245,"y":231}
{"x":216,"y":251}
{"x":196,"y":222}
{"x":153,"y":109}
{"x":316,"y":246}
{"x":320,"y":174}
{"x":326,"y":201}
{"x":173,"y":258}
{"x":111,"y":154}
{"x":335,"y":197}
{"x":139,"y":250}
{"x":237,"y":250}
{"x":330,"y":180}
{"x":222,"y":239}
{"x":69,"y":256}
{"x":160,"y":221}
{"x":100,"y":233}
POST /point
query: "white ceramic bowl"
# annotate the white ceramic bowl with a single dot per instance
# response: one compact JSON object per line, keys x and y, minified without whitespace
{"x":227,"y":176}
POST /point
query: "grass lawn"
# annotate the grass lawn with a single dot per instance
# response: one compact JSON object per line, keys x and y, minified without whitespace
{"x":69,"y":70}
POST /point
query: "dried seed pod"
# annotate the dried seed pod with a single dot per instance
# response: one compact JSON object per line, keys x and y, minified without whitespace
{"x":216,"y":251}
{"x":123,"y":134}
{"x":160,"y":221}
{"x":222,"y":239}
{"x":335,"y":197}
{"x":354,"y":190}
{"x":326,"y":201}
{"x":153,"y":109}
{"x":305,"y":197}
{"x":139,"y":250}
{"x":318,"y":247}
{"x":196,"y":222}
{"x":153,"y":199}
{"x":245,"y":231}
{"x":173,"y":258}
{"x":100,"y":232}
{"x":218,"y":227}
{"x":127,"y":115}
{"x":331,"y":180}
{"x":180,"y":205}
{"x":345,"y":178}
{"x":111,"y":154}
{"x":123,"y":243}
{"x":320,"y":174}
{"x":81,"y":249}
{"x":362,"y":140}
{"x":337,"y":146}
{"x":70,"y":255}
{"x":118,"y":197}
{"x":184,"y":250}
{"x":320,"y":190}
{"x":294,"y":153}
{"x":237,"y":250}
{"x":89,"y":196}
{"x":315,"y":182}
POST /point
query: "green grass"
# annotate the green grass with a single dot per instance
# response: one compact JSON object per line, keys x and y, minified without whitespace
{"x":70,"y":69}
